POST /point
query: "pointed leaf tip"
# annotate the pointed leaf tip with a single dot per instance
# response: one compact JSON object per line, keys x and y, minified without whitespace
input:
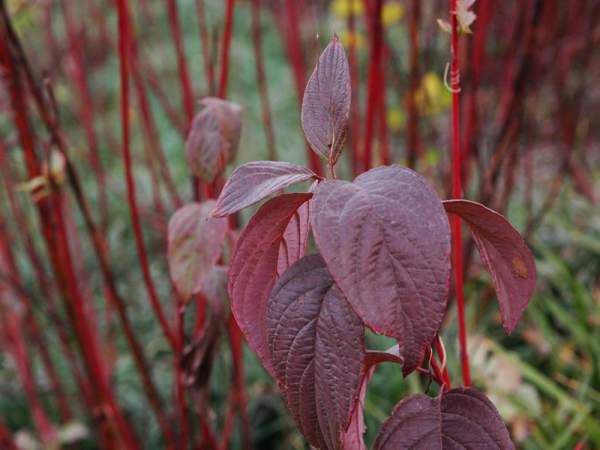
{"x":505,"y":255}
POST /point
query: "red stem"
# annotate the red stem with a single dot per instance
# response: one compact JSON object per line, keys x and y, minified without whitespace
{"x":262,"y":80}
{"x":53,"y":229}
{"x":124,"y":53}
{"x":204,"y":41}
{"x":86,"y":107}
{"x":457,"y":193}
{"x":373,"y":81}
{"x":187,"y":93}
{"x":412,"y":125}
{"x":291,"y":31}
{"x":6,"y":439}
{"x":227,"y":33}
{"x":354,"y":106}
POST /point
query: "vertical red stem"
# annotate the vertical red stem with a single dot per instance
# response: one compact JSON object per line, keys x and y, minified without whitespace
{"x":354,"y":107}
{"x":206,"y":55}
{"x":222,"y":91}
{"x":457,"y":193}
{"x":373,"y":85}
{"x":54,"y":232}
{"x":124,"y":52}
{"x":187,"y":94}
{"x":262,"y":80}
{"x":291,"y":31}
{"x":412,"y":125}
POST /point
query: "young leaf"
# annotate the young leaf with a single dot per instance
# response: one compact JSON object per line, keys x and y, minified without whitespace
{"x":326,"y":102}
{"x":459,"y":419}
{"x":386,"y":240}
{"x":213,"y":138}
{"x":213,"y":288}
{"x":254,"y":181}
{"x":194,"y":246}
{"x":317,"y":346}
{"x":253,"y":269}
{"x":295,"y":238}
{"x":504,"y":253}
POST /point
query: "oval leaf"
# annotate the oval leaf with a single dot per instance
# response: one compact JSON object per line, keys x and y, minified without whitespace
{"x":504,"y":253}
{"x":461,"y":418}
{"x":253,"y":269}
{"x":254,"y":181}
{"x":214,"y":137}
{"x":326,"y":102}
{"x":194,"y":243}
{"x":317,"y":346}
{"x":386,"y":240}
{"x":470,"y":420}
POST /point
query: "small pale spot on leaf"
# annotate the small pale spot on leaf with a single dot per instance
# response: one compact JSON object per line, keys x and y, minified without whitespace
{"x":519,"y":267}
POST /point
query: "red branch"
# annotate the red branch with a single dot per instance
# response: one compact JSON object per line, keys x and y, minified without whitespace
{"x":124,"y":53}
{"x":457,"y":193}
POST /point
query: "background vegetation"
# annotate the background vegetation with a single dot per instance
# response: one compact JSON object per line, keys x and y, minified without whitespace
{"x":531,"y":146}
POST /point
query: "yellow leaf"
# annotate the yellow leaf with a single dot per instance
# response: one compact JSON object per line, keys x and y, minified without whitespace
{"x":391,"y":13}
{"x":343,"y":8}
{"x":396,"y":118}
{"x":432,"y":96}
{"x":358,"y":39}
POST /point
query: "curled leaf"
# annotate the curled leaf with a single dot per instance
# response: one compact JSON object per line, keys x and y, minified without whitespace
{"x":326,"y":102}
{"x":317,"y":347}
{"x":253,"y":269}
{"x":295,"y":238}
{"x":504,"y":253}
{"x":386,"y":240}
{"x":254,"y":181}
{"x":194,"y":242}
{"x":213,"y":138}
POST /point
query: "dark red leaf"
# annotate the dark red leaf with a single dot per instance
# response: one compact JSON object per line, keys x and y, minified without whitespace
{"x":470,"y":420}
{"x":326,"y":102}
{"x":295,"y":238}
{"x":504,"y":253}
{"x":213,"y":138}
{"x":416,"y":423}
{"x":254,"y":181}
{"x":194,"y":243}
{"x":461,"y":418}
{"x":386,"y":240}
{"x":317,"y":346}
{"x":253,"y":269}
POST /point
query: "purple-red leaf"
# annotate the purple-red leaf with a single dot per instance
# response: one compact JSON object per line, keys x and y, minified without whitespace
{"x":214,"y":137}
{"x":214,"y":289}
{"x":295,"y":238}
{"x":386,"y":240}
{"x":317,"y":347}
{"x":253,"y":269}
{"x":254,"y":181}
{"x":194,"y":243}
{"x":326,"y":102}
{"x":461,"y":418}
{"x":504,"y":253}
